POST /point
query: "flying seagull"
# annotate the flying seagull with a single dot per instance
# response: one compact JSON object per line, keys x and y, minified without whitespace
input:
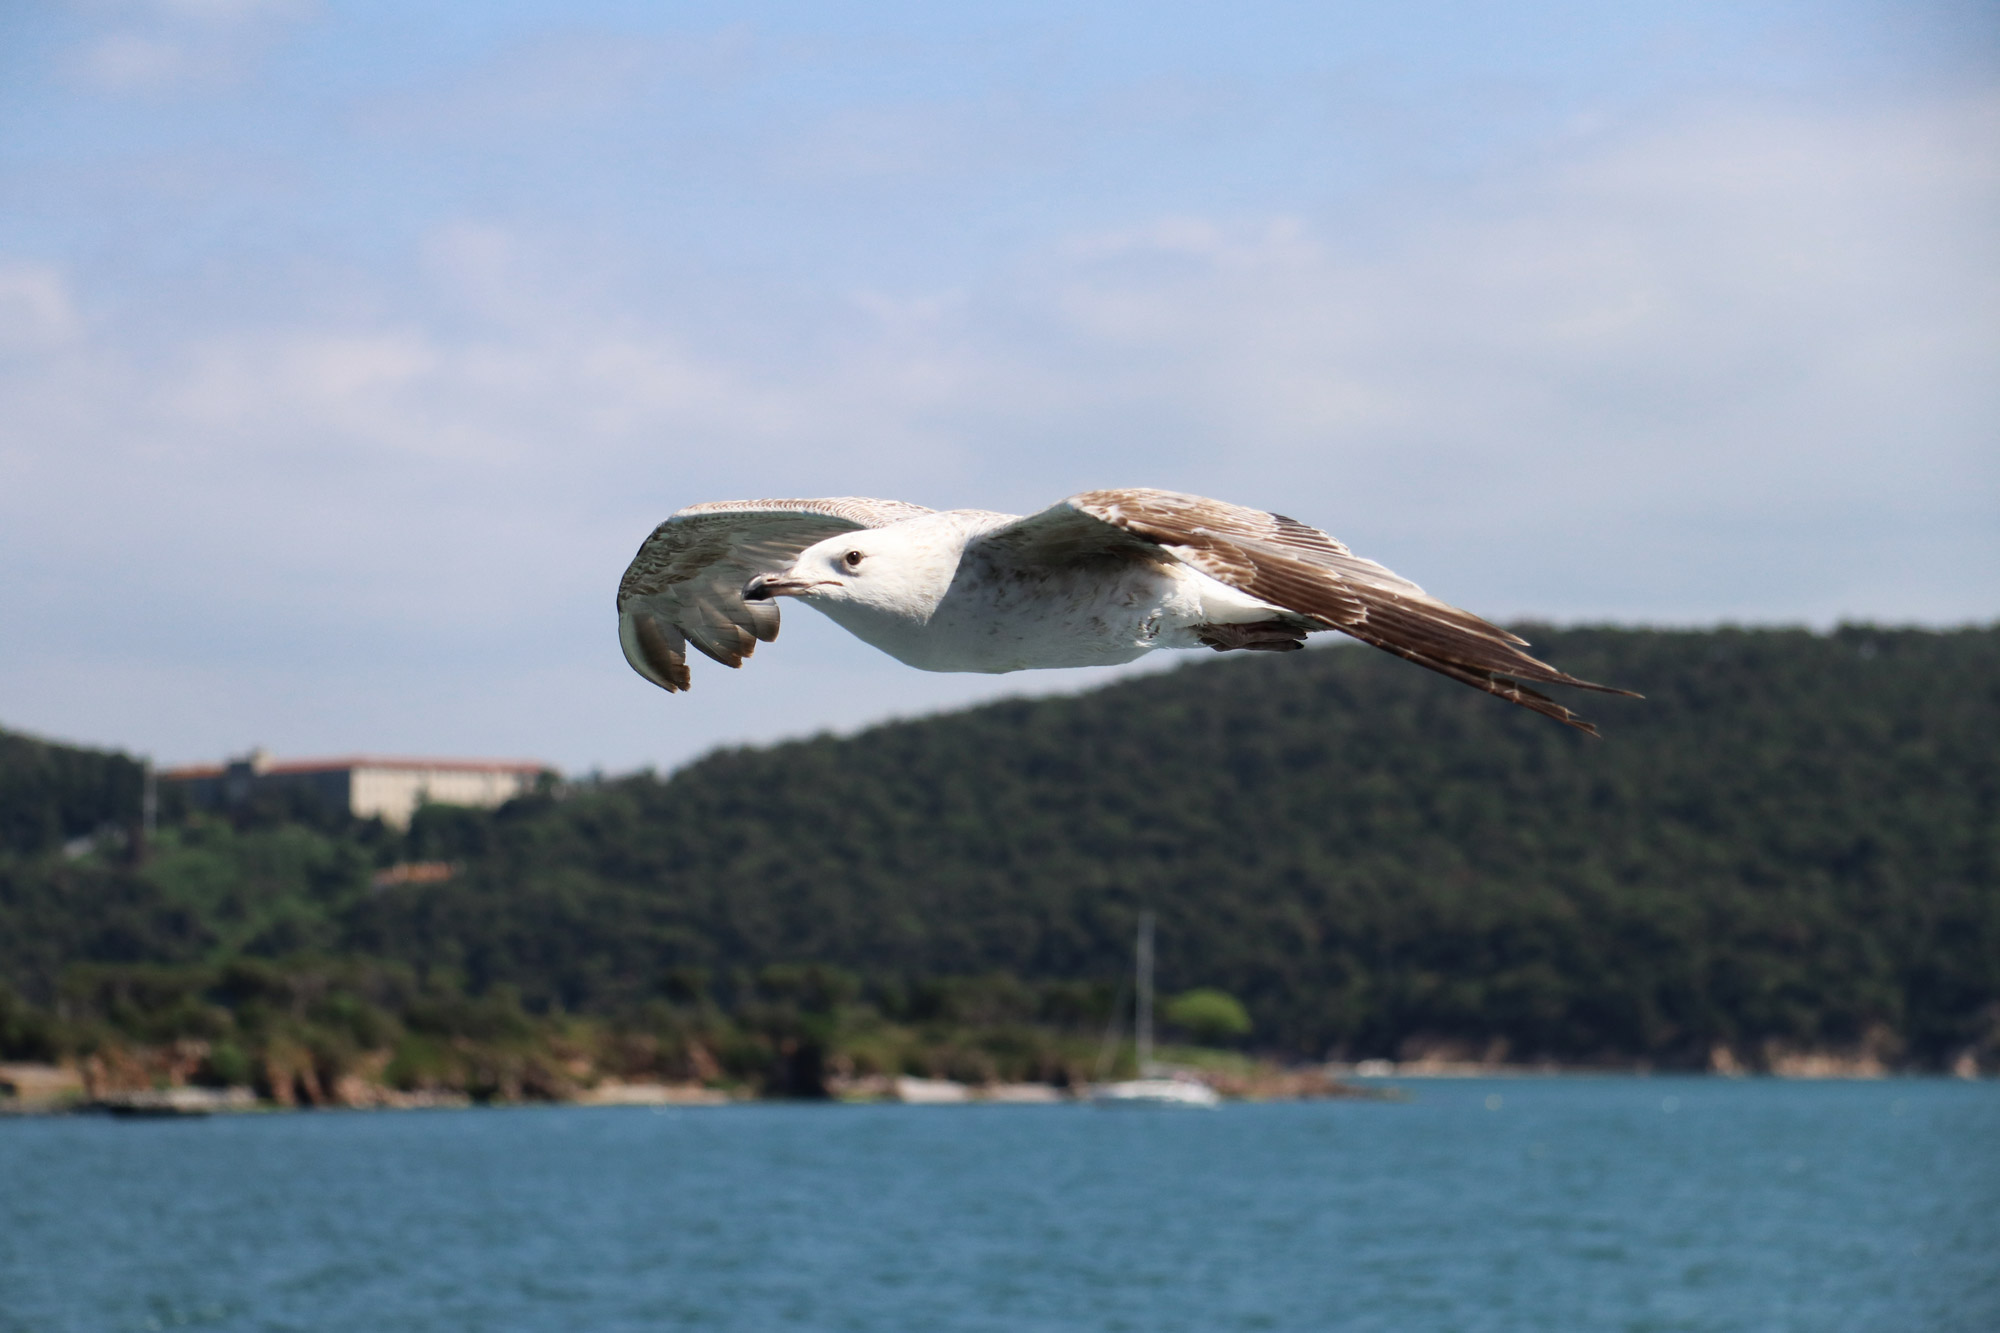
{"x":1100,"y":578}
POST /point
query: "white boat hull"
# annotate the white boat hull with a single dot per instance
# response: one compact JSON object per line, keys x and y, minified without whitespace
{"x":1174,"y":1092}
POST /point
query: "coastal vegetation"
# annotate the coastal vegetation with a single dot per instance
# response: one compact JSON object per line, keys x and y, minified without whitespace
{"x":1791,"y":845}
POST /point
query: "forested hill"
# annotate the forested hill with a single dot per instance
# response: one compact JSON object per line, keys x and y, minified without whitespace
{"x":51,"y":794}
{"x":1793,"y":837}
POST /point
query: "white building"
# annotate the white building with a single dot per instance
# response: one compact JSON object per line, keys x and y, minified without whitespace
{"x":366,"y":786}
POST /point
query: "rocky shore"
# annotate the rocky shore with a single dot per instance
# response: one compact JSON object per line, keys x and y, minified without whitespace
{"x":1877,"y":1054}
{"x":95,"y":1086}
{"x":115,"y":1087}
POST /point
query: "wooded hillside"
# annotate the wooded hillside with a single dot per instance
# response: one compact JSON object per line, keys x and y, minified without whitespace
{"x":1795,"y":837}
{"x":51,"y":794}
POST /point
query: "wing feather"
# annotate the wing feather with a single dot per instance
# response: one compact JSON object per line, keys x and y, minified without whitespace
{"x":685,"y":586}
{"x":1290,"y":565}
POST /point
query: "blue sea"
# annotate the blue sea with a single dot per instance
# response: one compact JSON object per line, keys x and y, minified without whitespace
{"x":1561,"y":1203}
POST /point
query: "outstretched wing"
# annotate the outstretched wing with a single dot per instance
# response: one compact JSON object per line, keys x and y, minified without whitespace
{"x":1301,"y":570}
{"x":686,"y":584}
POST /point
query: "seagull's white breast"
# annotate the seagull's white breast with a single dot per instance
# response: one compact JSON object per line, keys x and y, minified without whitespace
{"x":996,"y":619}
{"x":953,"y":603}
{"x":1001,"y":618}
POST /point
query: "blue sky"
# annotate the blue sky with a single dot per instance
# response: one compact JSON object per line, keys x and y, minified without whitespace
{"x":348,"y":350}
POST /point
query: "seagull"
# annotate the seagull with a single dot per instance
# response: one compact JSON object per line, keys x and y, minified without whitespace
{"x":1100,"y":578}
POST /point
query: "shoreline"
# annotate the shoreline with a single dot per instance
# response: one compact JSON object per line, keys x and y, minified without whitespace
{"x":49,"y":1090}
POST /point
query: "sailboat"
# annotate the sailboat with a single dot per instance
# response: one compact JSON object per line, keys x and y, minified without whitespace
{"x":1153,"y":1087}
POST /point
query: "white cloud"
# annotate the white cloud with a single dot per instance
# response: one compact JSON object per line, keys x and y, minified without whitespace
{"x":213,"y":13}
{"x":153,"y":46}
{"x":233,"y":11}
{"x":561,"y":78}
{"x":129,"y":61}
{"x":36,"y":309}
{"x":1738,"y":306}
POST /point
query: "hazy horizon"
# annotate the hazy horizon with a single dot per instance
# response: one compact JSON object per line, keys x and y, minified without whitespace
{"x":1072,"y":682}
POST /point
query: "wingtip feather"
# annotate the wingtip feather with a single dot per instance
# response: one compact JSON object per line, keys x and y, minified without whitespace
{"x":652,"y":652}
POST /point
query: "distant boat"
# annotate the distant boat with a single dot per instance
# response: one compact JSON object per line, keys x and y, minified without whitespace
{"x":175,"y":1102}
{"x":1154,"y":1086}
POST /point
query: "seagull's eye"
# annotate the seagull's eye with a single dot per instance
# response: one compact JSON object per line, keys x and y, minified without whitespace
{"x":852,"y":559}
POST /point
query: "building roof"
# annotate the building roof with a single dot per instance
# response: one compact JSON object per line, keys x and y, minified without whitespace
{"x":348,"y":763}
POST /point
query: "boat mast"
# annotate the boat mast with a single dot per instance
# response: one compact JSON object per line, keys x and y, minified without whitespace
{"x":1144,"y":963}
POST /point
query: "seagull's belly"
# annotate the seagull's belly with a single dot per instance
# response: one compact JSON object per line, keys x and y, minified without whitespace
{"x":997,"y":623}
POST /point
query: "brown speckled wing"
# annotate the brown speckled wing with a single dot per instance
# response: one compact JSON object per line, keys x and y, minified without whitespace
{"x":686,"y":583}
{"x":1303,"y":570}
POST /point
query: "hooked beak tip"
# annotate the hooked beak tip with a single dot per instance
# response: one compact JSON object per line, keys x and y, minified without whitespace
{"x":766,"y":586}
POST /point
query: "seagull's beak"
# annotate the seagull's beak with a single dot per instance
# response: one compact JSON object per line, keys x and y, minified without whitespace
{"x":766,"y":586}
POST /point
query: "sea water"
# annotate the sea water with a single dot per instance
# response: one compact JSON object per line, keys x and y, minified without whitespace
{"x":1559,"y":1203}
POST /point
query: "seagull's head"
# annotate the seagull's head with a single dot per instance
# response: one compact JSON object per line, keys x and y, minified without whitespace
{"x":898,"y":571}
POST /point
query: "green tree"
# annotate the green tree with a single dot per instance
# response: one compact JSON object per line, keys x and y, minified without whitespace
{"x":1213,"y":1016}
